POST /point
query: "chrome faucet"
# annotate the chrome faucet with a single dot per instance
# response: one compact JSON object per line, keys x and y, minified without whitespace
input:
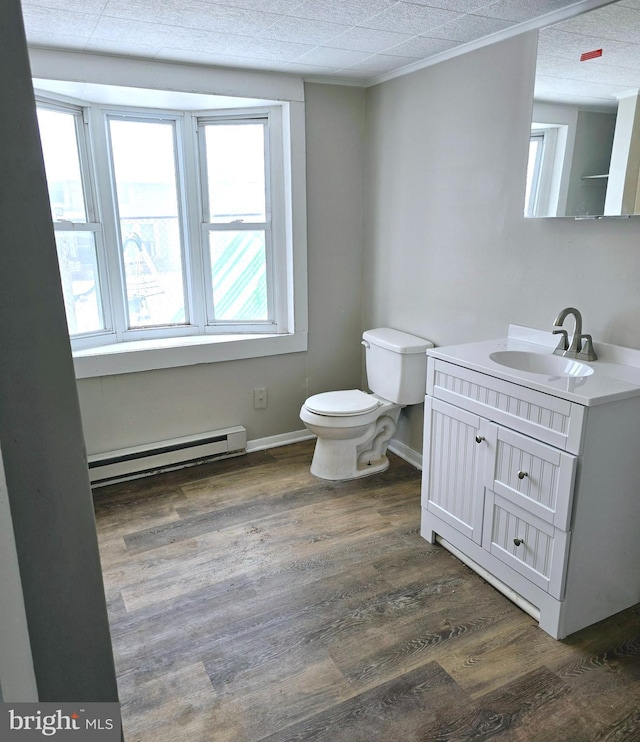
{"x":581,"y":346}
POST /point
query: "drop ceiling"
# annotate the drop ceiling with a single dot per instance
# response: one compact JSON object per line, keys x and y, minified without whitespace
{"x":354,"y":41}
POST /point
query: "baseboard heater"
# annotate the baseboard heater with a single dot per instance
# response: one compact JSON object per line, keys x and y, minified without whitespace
{"x":107,"y":467}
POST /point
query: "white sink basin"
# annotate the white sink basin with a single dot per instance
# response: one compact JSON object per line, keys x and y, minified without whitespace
{"x":541,"y":363}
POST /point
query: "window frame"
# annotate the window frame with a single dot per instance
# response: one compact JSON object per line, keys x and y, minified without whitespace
{"x":273,"y":194}
{"x":94,"y":222}
{"x":540,"y":136}
{"x":104,"y":159}
{"x":93,"y":138}
{"x":548,"y":187}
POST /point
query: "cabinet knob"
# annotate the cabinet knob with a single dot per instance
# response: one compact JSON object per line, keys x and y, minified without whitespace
{"x":522,"y":475}
{"x":479,"y":438}
{"x":518,"y":541}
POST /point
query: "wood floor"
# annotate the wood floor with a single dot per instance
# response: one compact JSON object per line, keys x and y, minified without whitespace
{"x":250,"y":601}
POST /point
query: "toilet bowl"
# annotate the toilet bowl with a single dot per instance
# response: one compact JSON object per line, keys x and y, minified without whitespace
{"x":353,"y":428}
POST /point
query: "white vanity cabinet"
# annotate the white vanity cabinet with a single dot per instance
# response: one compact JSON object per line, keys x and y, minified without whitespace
{"x":537,"y":492}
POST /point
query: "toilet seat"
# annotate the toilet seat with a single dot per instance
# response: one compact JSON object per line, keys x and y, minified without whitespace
{"x":344,"y":403}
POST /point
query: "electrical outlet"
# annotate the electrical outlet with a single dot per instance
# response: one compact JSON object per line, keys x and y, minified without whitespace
{"x":260,"y":399}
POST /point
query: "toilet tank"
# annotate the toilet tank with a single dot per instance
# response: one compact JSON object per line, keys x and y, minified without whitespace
{"x":396,"y":365}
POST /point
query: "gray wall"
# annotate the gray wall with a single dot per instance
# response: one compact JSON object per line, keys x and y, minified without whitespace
{"x":448,"y":252}
{"x":40,"y":429}
{"x":133,"y":409}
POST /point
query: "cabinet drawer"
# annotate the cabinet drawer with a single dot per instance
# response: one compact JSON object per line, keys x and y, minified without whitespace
{"x":527,"y":544}
{"x":532,"y":475}
{"x":544,"y":417}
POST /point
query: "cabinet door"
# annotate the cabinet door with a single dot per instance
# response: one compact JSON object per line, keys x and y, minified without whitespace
{"x":452,"y":477}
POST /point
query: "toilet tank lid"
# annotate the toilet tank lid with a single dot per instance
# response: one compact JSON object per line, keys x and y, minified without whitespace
{"x":396,"y":340}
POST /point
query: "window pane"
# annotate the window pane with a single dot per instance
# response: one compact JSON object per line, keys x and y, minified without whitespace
{"x":536,"y":144}
{"x":80,"y":286}
{"x":62,"y":165}
{"x":239,"y":276}
{"x":144,"y":163}
{"x":236,"y":172}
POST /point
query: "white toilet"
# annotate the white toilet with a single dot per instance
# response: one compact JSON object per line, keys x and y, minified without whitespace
{"x":354,"y":428}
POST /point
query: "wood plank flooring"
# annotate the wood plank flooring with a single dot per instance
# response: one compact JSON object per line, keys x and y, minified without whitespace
{"x":251,"y":601}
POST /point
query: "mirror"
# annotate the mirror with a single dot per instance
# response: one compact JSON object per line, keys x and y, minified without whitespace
{"x":584,"y":153}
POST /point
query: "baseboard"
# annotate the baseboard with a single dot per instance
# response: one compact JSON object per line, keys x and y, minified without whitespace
{"x":284,"y":439}
{"x":408,"y":454}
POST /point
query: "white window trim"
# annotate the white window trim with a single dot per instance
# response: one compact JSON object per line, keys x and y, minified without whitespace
{"x":534,"y":186}
{"x":275,"y":194}
{"x":550,"y":185}
{"x":142,"y":355}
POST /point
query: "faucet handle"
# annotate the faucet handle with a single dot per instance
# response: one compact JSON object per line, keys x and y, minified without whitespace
{"x":587,"y":352}
{"x":563,"y":345}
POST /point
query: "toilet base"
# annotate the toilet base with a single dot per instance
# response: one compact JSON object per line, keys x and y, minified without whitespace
{"x":341,"y":460}
{"x":333,"y":461}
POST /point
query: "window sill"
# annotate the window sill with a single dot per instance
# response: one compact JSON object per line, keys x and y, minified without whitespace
{"x":149,"y":355}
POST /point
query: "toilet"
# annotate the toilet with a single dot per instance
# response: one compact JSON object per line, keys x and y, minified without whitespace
{"x":354,"y":428}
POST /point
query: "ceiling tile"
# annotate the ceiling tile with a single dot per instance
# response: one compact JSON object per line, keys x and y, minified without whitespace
{"x":586,"y":72}
{"x":520,"y":11}
{"x":354,"y":12}
{"x":313,"y":32}
{"x":58,"y":22}
{"x":283,"y":51}
{"x":557,"y":43}
{"x":554,"y":42}
{"x":420,"y":47}
{"x":460,"y":6}
{"x":68,"y":6}
{"x":617,"y":56}
{"x":196,"y":14}
{"x":117,"y":30}
{"x":617,"y":22}
{"x":336,"y":58}
{"x":470,"y":27}
{"x":582,"y":93}
{"x":367,"y":40}
{"x":410,"y":19}
{"x":379,"y":64}
{"x":281,"y":7}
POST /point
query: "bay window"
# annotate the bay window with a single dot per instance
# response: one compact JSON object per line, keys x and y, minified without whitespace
{"x":169,"y":224}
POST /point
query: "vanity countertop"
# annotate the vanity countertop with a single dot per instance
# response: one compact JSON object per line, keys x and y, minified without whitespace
{"x":616,"y":373}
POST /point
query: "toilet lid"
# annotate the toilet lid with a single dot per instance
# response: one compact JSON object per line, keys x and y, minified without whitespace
{"x":346,"y":402}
